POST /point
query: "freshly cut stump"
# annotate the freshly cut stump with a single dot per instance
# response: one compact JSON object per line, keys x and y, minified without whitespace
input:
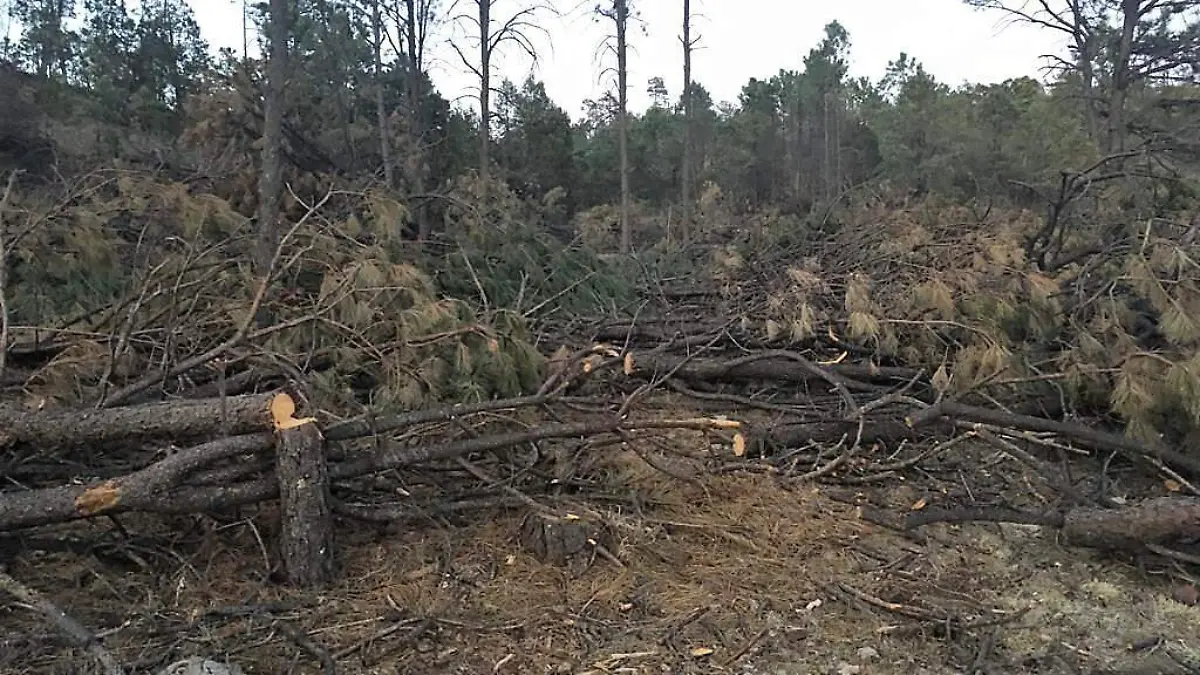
{"x":565,"y":541}
{"x":306,"y":540}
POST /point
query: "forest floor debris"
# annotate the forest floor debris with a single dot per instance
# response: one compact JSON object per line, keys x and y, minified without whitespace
{"x":837,"y":474}
{"x":736,"y":572}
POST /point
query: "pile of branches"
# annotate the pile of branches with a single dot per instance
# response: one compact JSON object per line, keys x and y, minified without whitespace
{"x":925,"y":322}
{"x":209,"y":454}
{"x":835,"y":414}
{"x":351,"y":340}
{"x":178,"y":395}
{"x":1110,"y":330}
{"x":201,"y":390}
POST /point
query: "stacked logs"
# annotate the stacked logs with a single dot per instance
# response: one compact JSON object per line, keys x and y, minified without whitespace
{"x":236,"y":429}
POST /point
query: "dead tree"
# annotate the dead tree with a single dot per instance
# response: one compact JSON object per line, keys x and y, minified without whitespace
{"x":685,"y":169}
{"x":385,"y":151}
{"x":618,"y":13}
{"x":413,"y":21}
{"x":492,"y":34}
{"x":419,"y":18}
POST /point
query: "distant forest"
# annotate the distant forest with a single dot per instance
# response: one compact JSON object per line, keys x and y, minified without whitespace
{"x":359,"y":104}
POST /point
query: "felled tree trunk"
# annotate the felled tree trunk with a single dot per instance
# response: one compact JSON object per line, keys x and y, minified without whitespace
{"x":149,"y":489}
{"x":52,"y":428}
{"x":763,"y":438}
{"x":770,"y":366}
{"x":1159,"y":521}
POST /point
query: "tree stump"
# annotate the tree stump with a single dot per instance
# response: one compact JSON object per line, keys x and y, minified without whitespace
{"x":306,"y":527}
{"x":566,"y":541}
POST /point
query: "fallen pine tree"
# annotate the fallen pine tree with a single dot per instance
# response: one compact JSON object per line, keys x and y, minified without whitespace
{"x":53,"y":428}
{"x":239,"y":464}
{"x":1146,"y":525}
{"x":163,"y":486}
{"x":780,"y":366}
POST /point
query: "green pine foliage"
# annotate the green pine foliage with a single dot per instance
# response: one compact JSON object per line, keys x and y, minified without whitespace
{"x":1004,"y":230}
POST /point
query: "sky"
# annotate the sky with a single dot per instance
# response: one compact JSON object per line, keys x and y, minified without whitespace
{"x":739,"y":39}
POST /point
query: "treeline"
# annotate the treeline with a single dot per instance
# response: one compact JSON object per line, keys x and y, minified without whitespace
{"x":359,"y":104}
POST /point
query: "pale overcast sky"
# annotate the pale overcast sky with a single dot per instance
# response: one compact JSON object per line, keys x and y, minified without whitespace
{"x":740,"y":39}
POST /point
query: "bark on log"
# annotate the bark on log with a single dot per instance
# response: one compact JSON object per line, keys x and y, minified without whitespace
{"x":764,"y":438}
{"x":678,"y":334}
{"x":370,"y":425}
{"x":192,"y":499}
{"x":1086,"y":435}
{"x":141,"y":490}
{"x":1161,"y":520}
{"x":306,"y":535}
{"x":55,"y":428}
{"x":771,"y":368}
{"x":1155,"y":521}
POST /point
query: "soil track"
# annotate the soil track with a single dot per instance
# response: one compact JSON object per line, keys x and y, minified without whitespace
{"x":739,"y":572}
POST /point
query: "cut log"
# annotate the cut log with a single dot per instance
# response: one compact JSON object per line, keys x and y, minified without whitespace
{"x":1095,"y":438}
{"x":306,"y":533}
{"x":53,"y":505}
{"x":146,"y":489}
{"x":55,"y":428}
{"x":1132,"y":528}
{"x":763,"y":439}
{"x":769,"y":368}
{"x":1161,"y":520}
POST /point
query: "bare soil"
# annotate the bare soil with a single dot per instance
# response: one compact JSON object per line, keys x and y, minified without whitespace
{"x":727,"y":573}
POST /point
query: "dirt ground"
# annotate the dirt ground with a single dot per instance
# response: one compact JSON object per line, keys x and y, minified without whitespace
{"x":735,"y":572}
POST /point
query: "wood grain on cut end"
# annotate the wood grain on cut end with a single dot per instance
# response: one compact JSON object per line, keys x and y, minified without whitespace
{"x":100,"y":498}
{"x":283,"y":407}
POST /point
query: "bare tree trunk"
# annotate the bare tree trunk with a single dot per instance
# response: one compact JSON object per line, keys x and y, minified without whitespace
{"x":485,"y":91}
{"x":1085,"y":46}
{"x":513,"y":29}
{"x":245,"y":32}
{"x":685,"y":171}
{"x":621,"y":16}
{"x":837,"y":141}
{"x":807,"y":151}
{"x":1087,"y":76}
{"x":1131,"y":10}
{"x":827,"y":155}
{"x":306,"y":540}
{"x":385,"y":151}
{"x":794,"y":138}
{"x":415,"y":31}
{"x":271,"y":180}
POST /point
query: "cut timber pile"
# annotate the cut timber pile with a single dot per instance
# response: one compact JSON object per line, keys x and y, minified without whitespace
{"x":252,"y":448}
{"x":833,"y":414}
{"x":858,"y":407}
{"x":255,"y":447}
{"x":803,"y":414}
